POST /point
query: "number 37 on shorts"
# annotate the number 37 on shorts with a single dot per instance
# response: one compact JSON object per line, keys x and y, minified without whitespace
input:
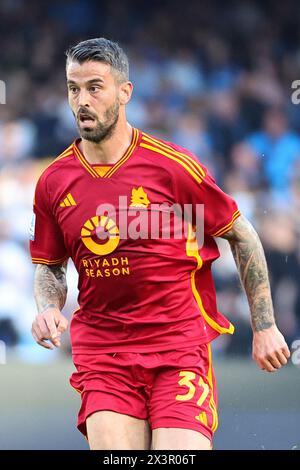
{"x":199,"y":391}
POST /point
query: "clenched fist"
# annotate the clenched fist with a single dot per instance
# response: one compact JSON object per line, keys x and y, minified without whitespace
{"x":270,"y":350}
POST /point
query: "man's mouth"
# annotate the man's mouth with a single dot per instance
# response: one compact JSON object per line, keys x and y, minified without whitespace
{"x":85,"y":119}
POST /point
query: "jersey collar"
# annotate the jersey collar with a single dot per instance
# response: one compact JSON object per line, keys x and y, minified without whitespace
{"x":79,"y":155}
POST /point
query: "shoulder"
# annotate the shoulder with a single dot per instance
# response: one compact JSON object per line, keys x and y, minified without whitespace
{"x":62,"y":161}
{"x":176,"y":158}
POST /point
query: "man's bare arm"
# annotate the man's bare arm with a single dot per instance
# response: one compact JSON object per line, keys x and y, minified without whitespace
{"x":270,"y":350}
{"x":251,"y":263}
{"x":50,"y":292}
{"x":50,"y":286}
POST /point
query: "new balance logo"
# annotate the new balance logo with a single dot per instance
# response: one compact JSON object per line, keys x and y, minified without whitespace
{"x":68,"y":201}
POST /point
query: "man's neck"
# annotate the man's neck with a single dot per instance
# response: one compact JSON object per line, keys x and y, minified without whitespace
{"x":109,"y":151}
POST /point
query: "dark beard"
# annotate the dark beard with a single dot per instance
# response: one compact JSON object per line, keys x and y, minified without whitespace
{"x":103,"y":130}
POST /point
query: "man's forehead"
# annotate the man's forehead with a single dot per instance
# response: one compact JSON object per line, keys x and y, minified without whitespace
{"x":88,"y":70}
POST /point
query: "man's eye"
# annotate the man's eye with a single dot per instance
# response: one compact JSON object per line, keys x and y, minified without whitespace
{"x":73,"y":89}
{"x":93,"y":89}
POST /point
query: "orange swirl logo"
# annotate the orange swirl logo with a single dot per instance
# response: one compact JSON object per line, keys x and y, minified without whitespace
{"x":107,"y":232}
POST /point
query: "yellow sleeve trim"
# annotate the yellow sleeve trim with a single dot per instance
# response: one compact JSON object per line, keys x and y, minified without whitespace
{"x":228,"y":226}
{"x":48,"y":261}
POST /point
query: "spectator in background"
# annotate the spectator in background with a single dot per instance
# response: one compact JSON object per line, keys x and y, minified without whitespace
{"x":191,"y":132}
{"x":246,"y":164}
{"x":282,"y":252}
{"x":225,"y":123}
{"x":244,"y":178}
{"x":17,"y":139}
{"x":184,"y":73}
{"x":278,"y":149}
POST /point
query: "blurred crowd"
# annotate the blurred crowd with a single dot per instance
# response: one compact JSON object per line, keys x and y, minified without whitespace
{"x":214,"y":77}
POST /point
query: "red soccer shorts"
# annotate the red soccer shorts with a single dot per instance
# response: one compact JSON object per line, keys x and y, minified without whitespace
{"x":171,"y":389}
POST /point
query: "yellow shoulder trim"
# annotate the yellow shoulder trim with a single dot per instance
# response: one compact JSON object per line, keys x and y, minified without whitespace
{"x":196,"y":176}
{"x":68,"y":149}
{"x":64,"y":155}
{"x":60,"y":157}
{"x":195,"y":166}
{"x":228,"y":226}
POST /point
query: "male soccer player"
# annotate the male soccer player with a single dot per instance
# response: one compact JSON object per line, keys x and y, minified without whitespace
{"x":141,"y":336}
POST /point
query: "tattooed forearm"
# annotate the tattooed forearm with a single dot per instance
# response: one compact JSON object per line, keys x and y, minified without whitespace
{"x":250,"y":259}
{"x":50,"y":287}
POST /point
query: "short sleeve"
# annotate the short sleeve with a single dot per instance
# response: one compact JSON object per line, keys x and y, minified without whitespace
{"x":220,"y":210}
{"x":46,"y":239}
{"x":199,"y":188}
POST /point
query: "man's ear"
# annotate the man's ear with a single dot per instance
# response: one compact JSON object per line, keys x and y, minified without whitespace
{"x":125,"y":92}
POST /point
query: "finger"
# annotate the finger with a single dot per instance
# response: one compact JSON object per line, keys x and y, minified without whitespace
{"x":45,"y":333}
{"x":34,"y":329}
{"x":281,"y":357}
{"x":55,"y":342}
{"x":42,"y":325}
{"x":51,"y":326}
{"x":44,"y":343}
{"x":286,"y":352}
{"x":62,"y":325}
{"x":273,"y":359}
{"x":41,"y":337}
{"x":37,"y":331}
{"x":264,"y":365}
{"x":41,"y":342}
{"x":267,"y":366}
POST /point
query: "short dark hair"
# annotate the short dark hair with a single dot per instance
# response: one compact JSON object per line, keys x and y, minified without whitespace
{"x":102,"y":50}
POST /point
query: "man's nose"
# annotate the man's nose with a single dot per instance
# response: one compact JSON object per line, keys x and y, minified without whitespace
{"x":83,"y":98}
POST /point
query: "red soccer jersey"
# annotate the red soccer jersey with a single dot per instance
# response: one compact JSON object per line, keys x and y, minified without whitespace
{"x":141,"y":293}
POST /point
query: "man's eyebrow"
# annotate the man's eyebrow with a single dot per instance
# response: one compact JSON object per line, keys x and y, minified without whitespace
{"x":89,"y":82}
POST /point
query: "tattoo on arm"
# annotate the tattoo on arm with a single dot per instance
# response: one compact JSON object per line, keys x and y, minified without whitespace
{"x":251,"y":263}
{"x":50,"y":286}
